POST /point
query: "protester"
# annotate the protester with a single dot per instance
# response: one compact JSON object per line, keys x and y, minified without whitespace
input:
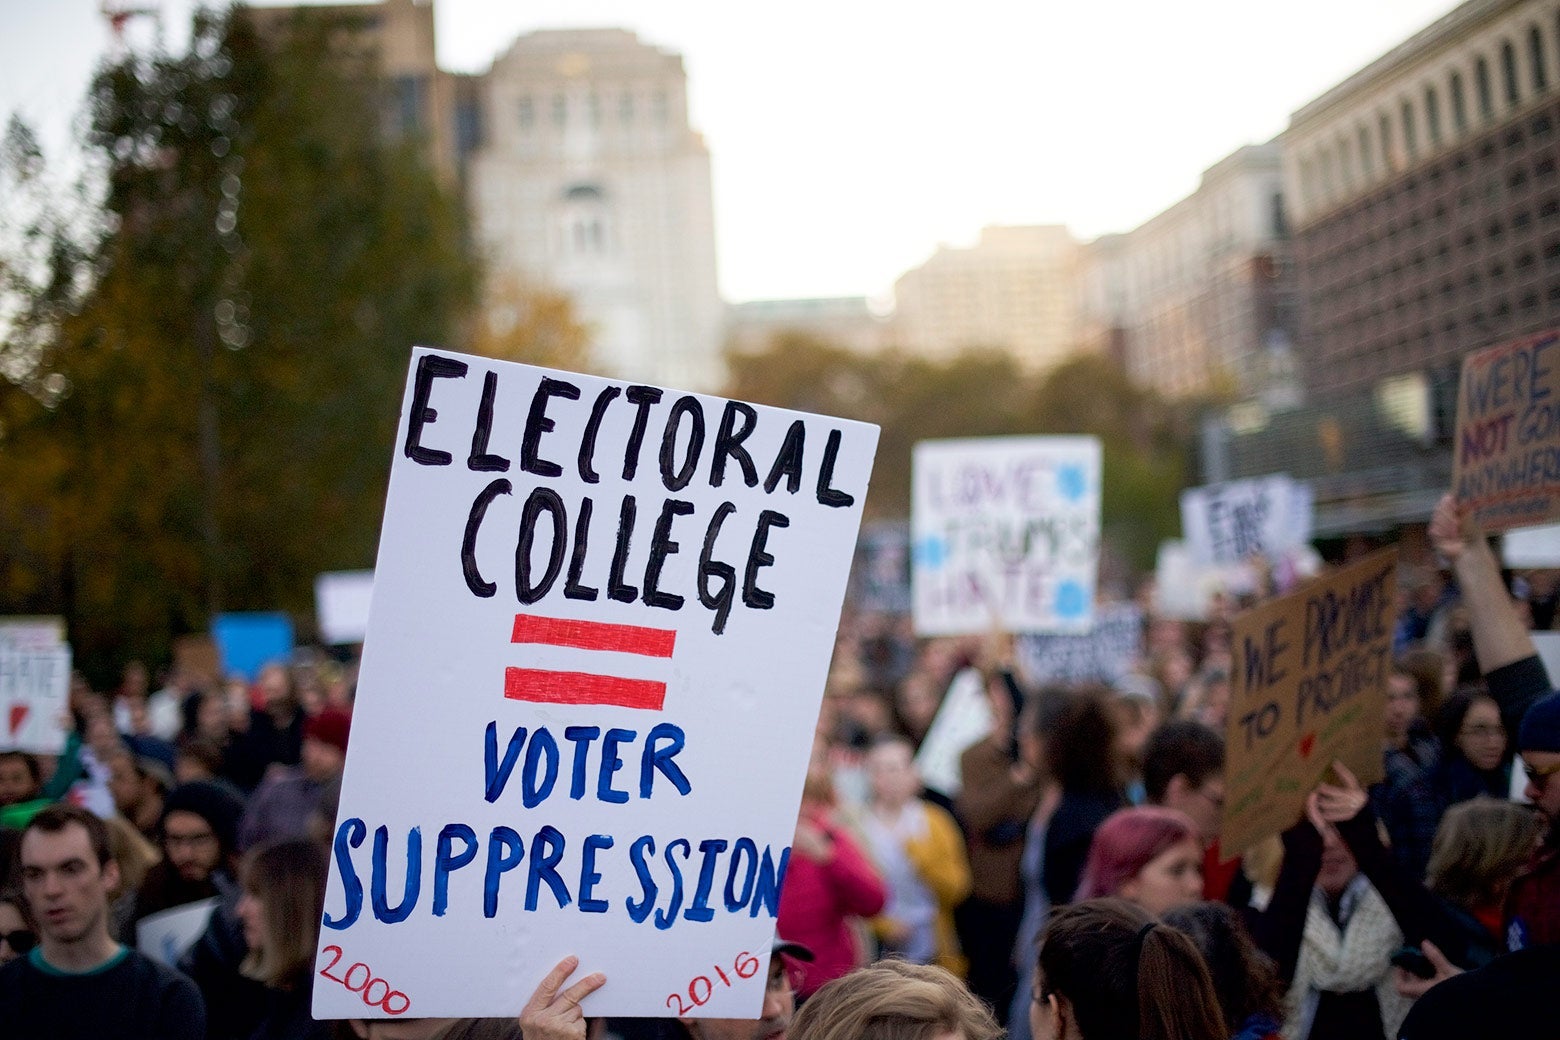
{"x":1518,"y":683}
{"x":829,"y":883}
{"x":1473,"y":760}
{"x":998,"y":795}
{"x":269,"y":734}
{"x":1081,"y":755}
{"x":138,"y":785}
{"x":1109,"y":971}
{"x":198,"y":829}
{"x":895,"y":1000}
{"x":282,"y":807}
{"x":1183,"y":769}
{"x":920,"y":853}
{"x":21,"y":779}
{"x":79,"y":982}
{"x":17,"y":935}
{"x":1251,"y":997}
{"x":1148,"y":855}
{"x":773,"y":1023}
{"x":284,"y":896}
{"x":1405,"y":799}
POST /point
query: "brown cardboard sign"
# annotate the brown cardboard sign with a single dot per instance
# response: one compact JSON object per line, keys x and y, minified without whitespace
{"x":1307,"y":686}
{"x":1507,"y":451}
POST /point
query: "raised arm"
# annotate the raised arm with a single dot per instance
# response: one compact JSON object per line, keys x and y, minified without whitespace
{"x":1499,"y":638}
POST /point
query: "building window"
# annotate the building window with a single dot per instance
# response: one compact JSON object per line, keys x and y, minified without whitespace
{"x":1433,"y":115}
{"x":560,"y":110}
{"x":1367,"y":165}
{"x":1410,"y":134}
{"x":1459,"y":105}
{"x":626,"y":108}
{"x":1481,"y":79}
{"x":1536,"y":56}
{"x":527,"y":112}
{"x":1345,"y":165}
{"x":1388,"y":155}
{"x":1508,"y":68}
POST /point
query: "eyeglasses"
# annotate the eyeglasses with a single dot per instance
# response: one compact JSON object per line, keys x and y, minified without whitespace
{"x":1482,"y":732}
{"x":20,"y":940}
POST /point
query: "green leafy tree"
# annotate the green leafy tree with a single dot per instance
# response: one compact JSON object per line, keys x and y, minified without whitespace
{"x":227,"y":357}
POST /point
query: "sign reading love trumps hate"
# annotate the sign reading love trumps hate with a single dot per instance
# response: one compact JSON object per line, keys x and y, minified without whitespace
{"x":1308,"y":687}
{"x":1005,"y":534}
{"x":601,"y":622}
{"x":1506,"y":457}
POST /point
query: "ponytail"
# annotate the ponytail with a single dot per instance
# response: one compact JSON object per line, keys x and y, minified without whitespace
{"x":1176,"y":1000}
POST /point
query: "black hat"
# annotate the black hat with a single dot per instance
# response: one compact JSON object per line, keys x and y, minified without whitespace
{"x":796,"y":951}
{"x":212,"y":802}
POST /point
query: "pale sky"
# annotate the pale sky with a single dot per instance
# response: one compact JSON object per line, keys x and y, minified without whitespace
{"x":850,"y":137}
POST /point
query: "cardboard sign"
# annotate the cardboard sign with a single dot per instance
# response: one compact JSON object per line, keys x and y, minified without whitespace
{"x":1006,"y":534}
{"x":168,"y":934}
{"x":341,"y":600}
{"x":1506,"y":458}
{"x":1308,"y":687}
{"x":1105,"y":654}
{"x":34,"y":698}
{"x":602,"y":621}
{"x":1232,"y":522}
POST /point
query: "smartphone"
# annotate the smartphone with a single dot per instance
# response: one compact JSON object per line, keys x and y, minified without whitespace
{"x":1411,"y":960}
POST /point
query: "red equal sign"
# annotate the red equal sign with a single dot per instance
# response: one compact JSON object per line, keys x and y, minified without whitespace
{"x":549,"y":687}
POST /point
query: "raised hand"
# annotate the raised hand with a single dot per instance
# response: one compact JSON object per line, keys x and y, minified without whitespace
{"x":551,"y":1015}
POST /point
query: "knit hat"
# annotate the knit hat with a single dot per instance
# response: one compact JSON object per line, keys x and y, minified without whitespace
{"x":212,"y":802}
{"x":1541,"y":725}
{"x":331,"y":725}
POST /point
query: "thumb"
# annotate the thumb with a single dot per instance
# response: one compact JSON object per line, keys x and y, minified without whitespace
{"x":1350,"y":781}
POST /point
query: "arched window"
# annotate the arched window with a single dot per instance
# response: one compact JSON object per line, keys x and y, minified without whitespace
{"x":1536,"y":56}
{"x":1481,"y":79}
{"x":1459,"y":105}
{"x":1433,"y":115}
{"x":1508,"y":68}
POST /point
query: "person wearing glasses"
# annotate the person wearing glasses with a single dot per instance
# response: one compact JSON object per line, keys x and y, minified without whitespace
{"x":773,"y":1022}
{"x":16,"y":935}
{"x":1520,"y":686}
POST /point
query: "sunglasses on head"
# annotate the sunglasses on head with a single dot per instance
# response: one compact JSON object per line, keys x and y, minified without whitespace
{"x":20,"y":940}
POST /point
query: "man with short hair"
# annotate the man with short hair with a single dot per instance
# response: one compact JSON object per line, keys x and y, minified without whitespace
{"x":282,"y":807}
{"x":1183,"y":769}
{"x":772,"y":1024}
{"x":79,"y":982}
{"x":199,"y":826}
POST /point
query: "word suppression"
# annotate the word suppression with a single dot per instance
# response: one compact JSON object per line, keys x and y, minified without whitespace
{"x":554,"y":538}
{"x":709,"y":875}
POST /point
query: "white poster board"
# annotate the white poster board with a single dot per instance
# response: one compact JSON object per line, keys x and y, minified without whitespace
{"x":602,"y":622}
{"x":1531,"y":546}
{"x":168,"y":934}
{"x":963,"y":718}
{"x":34,"y":698}
{"x":1005,"y":534}
{"x":341,"y":600}
{"x":1230,"y":523}
{"x":1106,"y":653}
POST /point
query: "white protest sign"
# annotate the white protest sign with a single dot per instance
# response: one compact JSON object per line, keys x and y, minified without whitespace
{"x":1106,"y":653}
{"x":1006,"y":533}
{"x":1531,"y":546}
{"x":602,"y":621}
{"x":1234,"y":521}
{"x":168,"y":934}
{"x":31,"y":632}
{"x":34,"y":696}
{"x":963,"y":718}
{"x":341,"y":600}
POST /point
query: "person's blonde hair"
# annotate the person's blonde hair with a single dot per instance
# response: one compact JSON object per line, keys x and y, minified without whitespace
{"x":132,"y":852}
{"x":894,"y":1000}
{"x":288,"y":879}
{"x":1479,"y":847}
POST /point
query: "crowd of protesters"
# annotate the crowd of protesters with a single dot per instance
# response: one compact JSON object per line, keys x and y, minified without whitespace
{"x":1064,"y":878}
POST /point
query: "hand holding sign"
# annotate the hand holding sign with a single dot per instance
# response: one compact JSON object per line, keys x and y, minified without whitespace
{"x":1337,"y":803}
{"x":551,"y":1015}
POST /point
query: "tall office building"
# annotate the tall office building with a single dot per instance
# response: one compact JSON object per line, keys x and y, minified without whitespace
{"x":1200,"y":298}
{"x":1016,"y":289}
{"x":590,"y":180}
{"x":1427,"y":200}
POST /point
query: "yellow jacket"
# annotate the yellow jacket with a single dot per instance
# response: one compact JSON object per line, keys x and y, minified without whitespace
{"x":943,"y":865}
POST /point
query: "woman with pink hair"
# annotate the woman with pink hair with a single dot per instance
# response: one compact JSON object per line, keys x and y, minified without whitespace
{"x":1148,"y":855}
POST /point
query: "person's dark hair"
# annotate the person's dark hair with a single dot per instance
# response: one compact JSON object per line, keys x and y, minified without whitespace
{"x":1080,"y":745}
{"x":201,"y":750}
{"x":1449,"y":721}
{"x":1125,"y":976}
{"x":1181,"y":748}
{"x":29,"y":760}
{"x":55,"y":818}
{"x":1244,"y":978}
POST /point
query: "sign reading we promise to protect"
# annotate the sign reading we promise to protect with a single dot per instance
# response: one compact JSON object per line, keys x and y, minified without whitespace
{"x":601,"y":623}
{"x":1308,"y":687}
{"x":1507,"y":451}
{"x":1005,"y":534}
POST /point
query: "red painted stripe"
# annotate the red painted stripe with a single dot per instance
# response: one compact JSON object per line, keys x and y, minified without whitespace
{"x":543,"y":687}
{"x":594,"y":635}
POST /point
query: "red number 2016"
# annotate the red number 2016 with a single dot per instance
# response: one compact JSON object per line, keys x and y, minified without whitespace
{"x":366,"y":987}
{"x":746,"y":966}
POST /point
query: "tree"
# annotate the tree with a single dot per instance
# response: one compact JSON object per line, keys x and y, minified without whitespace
{"x":532,"y":325}
{"x":229,"y":377}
